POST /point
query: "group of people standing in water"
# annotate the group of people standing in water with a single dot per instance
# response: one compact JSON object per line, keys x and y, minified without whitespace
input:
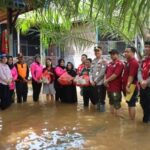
{"x":115,"y":77}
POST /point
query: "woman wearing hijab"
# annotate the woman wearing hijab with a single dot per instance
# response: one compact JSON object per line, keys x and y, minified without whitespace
{"x":36,"y":72}
{"x":70,"y":93}
{"x":14,"y":78}
{"x":59,"y":70}
{"x":5,"y":80}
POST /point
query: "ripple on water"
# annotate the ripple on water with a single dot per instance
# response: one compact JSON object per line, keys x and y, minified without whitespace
{"x":1,"y":124}
{"x":52,"y":141}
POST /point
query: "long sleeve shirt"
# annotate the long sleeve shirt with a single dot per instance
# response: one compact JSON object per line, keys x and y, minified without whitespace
{"x":14,"y":76}
{"x":36,"y":71}
{"x":144,"y":68}
{"x":59,"y":71}
{"x":97,"y":72}
{"x":5,"y":74}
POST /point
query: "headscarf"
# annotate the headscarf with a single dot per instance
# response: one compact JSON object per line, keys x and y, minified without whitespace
{"x":71,"y":71}
{"x":10,"y":65}
{"x":69,"y":63}
{"x":59,"y":62}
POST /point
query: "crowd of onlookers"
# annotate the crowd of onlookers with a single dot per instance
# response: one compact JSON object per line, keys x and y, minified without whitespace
{"x":94,"y":77}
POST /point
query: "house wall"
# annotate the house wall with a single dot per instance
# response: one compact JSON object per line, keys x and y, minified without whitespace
{"x":82,"y":40}
{"x":29,"y":44}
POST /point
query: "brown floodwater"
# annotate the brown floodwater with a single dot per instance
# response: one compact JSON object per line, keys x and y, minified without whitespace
{"x":57,"y":126}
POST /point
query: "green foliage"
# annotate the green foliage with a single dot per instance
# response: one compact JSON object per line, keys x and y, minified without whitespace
{"x":124,"y":19}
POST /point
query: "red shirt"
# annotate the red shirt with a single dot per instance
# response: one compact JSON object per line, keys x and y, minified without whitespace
{"x":131,"y":69}
{"x":145,"y":68}
{"x":80,"y":68}
{"x":115,"y":68}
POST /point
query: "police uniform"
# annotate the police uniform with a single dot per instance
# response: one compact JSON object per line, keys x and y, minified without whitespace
{"x":97,"y":73}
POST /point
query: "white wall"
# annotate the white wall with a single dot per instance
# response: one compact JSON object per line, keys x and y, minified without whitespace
{"x":81,"y":41}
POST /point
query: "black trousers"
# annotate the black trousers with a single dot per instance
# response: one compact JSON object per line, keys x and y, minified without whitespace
{"x":89,"y":93}
{"x":101,"y":94}
{"x":12,"y":96}
{"x":36,"y":90}
{"x":22,"y":91}
{"x":4,"y":96}
{"x":59,"y":96}
{"x":145,"y":103}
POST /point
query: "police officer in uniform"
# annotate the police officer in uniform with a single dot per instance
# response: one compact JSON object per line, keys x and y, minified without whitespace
{"x":97,"y":73}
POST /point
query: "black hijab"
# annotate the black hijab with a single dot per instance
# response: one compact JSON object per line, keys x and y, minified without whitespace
{"x":59,"y":63}
{"x":71,"y":71}
{"x":10,"y":65}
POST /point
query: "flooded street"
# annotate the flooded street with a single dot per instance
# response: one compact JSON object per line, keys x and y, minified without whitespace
{"x":56,"y":126}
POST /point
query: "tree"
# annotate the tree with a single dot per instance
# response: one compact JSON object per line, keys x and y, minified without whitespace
{"x":122,"y":18}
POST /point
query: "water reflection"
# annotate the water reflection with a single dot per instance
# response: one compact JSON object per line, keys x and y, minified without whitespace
{"x":55,"y":140}
{"x":1,"y":123}
{"x":61,"y":126}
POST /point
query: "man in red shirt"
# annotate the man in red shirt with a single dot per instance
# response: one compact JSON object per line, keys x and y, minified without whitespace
{"x":113,"y":81}
{"x":80,"y":68}
{"x":144,"y":80}
{"x":82,"y":65}
{"x":130,"y":77}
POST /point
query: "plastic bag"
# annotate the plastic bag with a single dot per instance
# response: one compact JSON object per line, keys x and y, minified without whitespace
{"x":82,"y":81}
{"x":65,"y":79}
{"x":46,"y":77}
